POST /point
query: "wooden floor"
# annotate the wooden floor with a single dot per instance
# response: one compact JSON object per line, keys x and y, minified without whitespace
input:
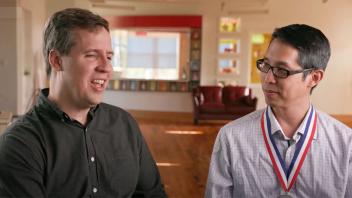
{"x":182,"y":151}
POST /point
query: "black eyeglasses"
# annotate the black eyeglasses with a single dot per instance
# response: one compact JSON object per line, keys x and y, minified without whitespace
{"x":277,"y":71}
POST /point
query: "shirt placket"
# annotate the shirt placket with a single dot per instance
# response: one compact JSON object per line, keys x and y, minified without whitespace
{"x":290,"y":151}
{"x":93,"y":175}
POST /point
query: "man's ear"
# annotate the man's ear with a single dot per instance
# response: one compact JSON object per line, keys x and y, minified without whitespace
{"x":315,"y":77}
{"x":55,"y":60}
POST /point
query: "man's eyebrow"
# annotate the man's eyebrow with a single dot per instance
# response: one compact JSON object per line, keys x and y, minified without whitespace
{"x":96,"y":51}
{"x":91,"y":50}
{"x":281,"y":64}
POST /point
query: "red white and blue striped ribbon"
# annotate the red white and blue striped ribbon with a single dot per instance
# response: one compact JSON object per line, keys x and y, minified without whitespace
{"x":288,"y":175}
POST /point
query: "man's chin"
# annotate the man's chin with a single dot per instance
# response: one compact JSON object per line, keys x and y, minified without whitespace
{"x":270,"y":102}
{"x":94,"y":101}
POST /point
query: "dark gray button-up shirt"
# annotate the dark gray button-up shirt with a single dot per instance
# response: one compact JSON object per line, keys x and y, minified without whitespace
{"x":46,"y":154}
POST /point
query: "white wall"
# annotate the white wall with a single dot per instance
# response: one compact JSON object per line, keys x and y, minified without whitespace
{"x":333,"y":95}
{"x":20,"y":51}
{"x":151,"y":101}
{"x":8,"y":60}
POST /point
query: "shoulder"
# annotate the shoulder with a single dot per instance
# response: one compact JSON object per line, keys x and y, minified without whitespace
{"x":244,"y":123}
{"x":242,"y":128}
{"x":24,"y":137}
{"x":329,"y":123}
{"x":114,"y":112}
{"x":333,"y":133}
{"x":25,"y":125}
{"x":112,"y":118}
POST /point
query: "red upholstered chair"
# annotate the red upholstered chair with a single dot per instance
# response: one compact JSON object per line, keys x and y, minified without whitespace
{"x":217,"y":103}
{"x":238,"y":100}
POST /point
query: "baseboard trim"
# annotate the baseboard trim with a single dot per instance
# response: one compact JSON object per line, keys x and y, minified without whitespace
{"x":161,"y":115}
{"x":188,"y":116}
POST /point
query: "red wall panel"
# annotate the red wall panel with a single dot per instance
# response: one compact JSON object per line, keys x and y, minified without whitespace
{"x":154,"y":21}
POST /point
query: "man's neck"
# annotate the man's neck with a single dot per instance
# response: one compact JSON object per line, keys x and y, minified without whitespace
{"x":75,"y":112}
{"x":290,"y":118}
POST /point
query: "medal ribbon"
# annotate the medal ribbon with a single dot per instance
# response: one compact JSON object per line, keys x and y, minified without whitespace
{"x":288,"y":176}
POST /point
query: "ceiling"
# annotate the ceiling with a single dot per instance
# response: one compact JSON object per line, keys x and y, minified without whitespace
{"x":124,"y":4}
{"x":241,"y":2}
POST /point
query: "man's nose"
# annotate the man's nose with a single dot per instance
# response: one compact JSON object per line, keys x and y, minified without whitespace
{"x":269,"y":77}
{"x":105,"y":65}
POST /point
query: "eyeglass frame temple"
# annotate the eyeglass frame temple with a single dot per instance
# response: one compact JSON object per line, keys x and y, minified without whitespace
{"x":290,"y":72}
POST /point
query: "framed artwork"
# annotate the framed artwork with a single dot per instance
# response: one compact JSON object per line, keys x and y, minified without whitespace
{"x":183,"y":86}
{"x":143,"y":85}
{"x":229,"y":46}
{"x":152,"y":85}
{"x":259,"y":44}
{"x":162,"y":86}
{"x":124,"y":85}
{"x":195,"y":35}
{"x":195,"y":54}
{"x":195,"y":44}
{"x":115,"y":84}
{"x":229,"y":24}
{"x":173,"y":86}
{"x":228,"y":66}
{"x":195,"y":65}
{"x":133,"y":85}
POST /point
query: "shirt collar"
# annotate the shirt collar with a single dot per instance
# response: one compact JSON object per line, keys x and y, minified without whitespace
{"x":46,"y":103}
{"x":275,"y":126}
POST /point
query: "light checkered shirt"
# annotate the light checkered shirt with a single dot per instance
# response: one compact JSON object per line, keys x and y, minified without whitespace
{"x":241,"y":167}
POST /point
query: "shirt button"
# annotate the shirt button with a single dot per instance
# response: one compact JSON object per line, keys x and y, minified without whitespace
{"x":92,"y":159}
{"x":95,"y":190}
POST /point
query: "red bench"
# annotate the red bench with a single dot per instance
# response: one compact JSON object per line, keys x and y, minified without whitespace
{"x":222,"y":103}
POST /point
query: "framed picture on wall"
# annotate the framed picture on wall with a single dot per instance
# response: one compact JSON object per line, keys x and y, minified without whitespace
{"x":124,"y":85}
{"x":182,"y":86}
{"x":259,"y":44}
{"x":195,"y":65}
{"x":228,"y":66}
{"x":115,"y":84}
{"x":162,"y":86}
{"x":228,"y":46}
{"x":173,"y":86}
{"x":195,"y":76}
{"x":152,"y":85}
{"x":229,"y":24}
{"x":195,"y":35}
{"x":195,"y":44}
{"x":195,"y":54}
{"x":143,"y":85}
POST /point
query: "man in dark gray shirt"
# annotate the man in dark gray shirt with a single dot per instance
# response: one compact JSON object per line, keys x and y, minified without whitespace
{"x":70,"y":144}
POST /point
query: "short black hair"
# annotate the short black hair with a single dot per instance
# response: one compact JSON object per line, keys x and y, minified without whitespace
{"x":59,"y":34}
{"x":312,"y":45}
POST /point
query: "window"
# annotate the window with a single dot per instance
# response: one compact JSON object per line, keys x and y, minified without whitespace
{"x":147,"y":54}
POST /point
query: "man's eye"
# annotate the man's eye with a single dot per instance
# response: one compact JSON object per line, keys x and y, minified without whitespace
{"x":281,"y":71}
{"x":265,"y":65}
{"x":91,"y":55}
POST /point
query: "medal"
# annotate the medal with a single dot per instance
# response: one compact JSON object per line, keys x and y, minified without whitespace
{"x":288,"y":175}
